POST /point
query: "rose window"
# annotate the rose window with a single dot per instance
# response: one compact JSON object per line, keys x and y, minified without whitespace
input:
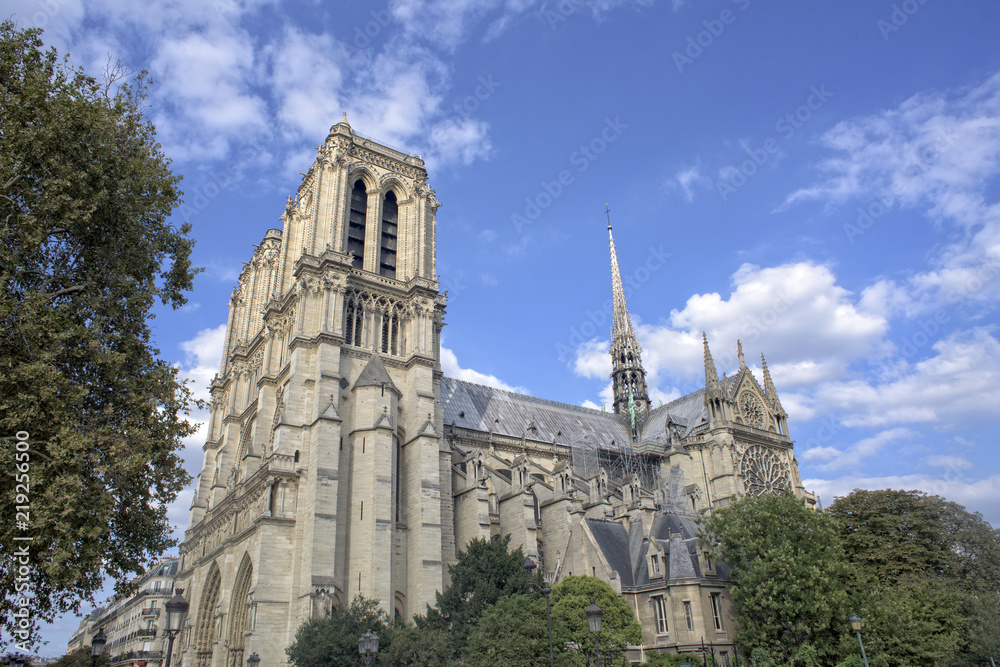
{"x":764,"y":471}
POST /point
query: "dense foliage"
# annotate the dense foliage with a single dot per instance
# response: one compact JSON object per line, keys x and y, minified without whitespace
{"x":332,"y":641}
{"x":485,"y":573}
{"x":789,"y":577}
{"x":570,"y":599}
{"x":81,"y":657}
{"x":513,"y":632}
{"x":86,"y":252}
{"x":927,"y":577}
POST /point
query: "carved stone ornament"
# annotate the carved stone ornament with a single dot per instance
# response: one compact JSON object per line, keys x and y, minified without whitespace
{"x":752,"y":409}
{"x":764,"y":471}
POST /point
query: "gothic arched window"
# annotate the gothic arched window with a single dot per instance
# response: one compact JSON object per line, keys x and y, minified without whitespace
{"x":356,"y":224}
{"x":387,"y":257}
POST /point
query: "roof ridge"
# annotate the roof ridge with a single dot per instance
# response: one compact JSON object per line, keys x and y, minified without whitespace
{"x":535,"y":399}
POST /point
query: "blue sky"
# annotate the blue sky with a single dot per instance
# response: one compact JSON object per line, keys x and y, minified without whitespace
{"x":819,"y":180}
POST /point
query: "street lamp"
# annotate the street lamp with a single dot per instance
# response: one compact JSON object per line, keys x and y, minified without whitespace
{"x":594,"y":620}
{"x":253,"y":660}
{"x":529,"y":567}
{"x":177,"y":608}
{"x":97,"y":646}
{"x":856,"y":624}
{"x":368,"y":646}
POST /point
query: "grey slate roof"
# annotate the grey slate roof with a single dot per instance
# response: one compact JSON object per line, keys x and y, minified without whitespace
{"x":474,"y":406}
{"x":687,"y":412}
{"x":625,"y":552}
{"x":375,"y":375}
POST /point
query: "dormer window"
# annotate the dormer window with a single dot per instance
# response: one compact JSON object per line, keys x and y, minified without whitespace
{"x":655,"y":563}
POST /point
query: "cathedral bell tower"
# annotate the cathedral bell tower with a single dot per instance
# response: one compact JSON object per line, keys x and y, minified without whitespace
{"x":628,"y":379}
{"x":325,"y":475}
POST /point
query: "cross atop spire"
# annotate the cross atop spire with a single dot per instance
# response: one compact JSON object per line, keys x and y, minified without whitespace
{"x":628,"y":378}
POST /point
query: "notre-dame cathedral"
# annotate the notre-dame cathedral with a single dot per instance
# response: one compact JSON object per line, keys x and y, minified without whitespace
{"x":340,"y":460}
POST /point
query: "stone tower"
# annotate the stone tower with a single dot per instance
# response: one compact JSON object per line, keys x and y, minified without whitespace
{"x":324,"y":472}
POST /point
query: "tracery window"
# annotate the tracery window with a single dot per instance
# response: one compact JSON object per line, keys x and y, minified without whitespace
{"x":752,"y":409}
{"x":764,"y":471}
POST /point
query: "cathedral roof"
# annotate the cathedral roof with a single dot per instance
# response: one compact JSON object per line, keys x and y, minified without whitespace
{"x":687,"y":412}
{"x":475,"y":406}
{"x":625,"y":550}
{"x":375,"y":375}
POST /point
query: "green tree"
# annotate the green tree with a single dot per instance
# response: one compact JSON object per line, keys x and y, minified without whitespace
{"x":788,"y":575}
{"x":412,"y":646}
{"x":513,"y":632}
{"x":81,"y":657}
{"x":927,"y":576}
{"x":570,"y":599}
{"x":485,"y":573}
{"x":86,"y":251}
{"x":333,"y":641}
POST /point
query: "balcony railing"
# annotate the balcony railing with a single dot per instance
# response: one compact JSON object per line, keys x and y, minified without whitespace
{"x":151,"y":611}
{"x":146,"y":632}
{"x":137,"y":655}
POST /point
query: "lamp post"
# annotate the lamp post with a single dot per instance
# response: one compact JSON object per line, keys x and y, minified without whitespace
{"x":856,"y":624}
{"x":177,"y":608}
{"x":253,"y":660}
{"x":529,"y":567}
{"x":594,"y":620}
{"x":368,"y":646}
{"x":97,"y":646}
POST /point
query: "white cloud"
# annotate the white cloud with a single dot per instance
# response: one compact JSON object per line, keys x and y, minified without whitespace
{"x":960,"y":381}
{"x":947,"y":462}
{"x":855,"y":453}
{"x":202,"y":358}
{"x":982,"y":495}
{"x":307,"y":76}
{"x":204,"y":92}
{"x":451,"y":368}
{"x":811,"y":329}
{"x":935,"y":152}
{"x":687,"y":179}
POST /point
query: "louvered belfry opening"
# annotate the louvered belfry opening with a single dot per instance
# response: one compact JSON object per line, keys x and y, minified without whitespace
{"x":390,"y":214}
{"x":356,"y":224}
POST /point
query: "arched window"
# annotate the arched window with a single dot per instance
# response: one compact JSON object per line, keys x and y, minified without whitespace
{"x":387,"y":257}
{"x":356,"y":224}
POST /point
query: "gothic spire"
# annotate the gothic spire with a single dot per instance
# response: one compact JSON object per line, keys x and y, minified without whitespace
{"x":627,"y":375}
{"x":711,"y":375}
{"x":769,"y":391}
{"x":714,"y":394}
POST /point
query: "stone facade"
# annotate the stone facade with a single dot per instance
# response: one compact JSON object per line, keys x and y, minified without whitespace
{"x":340,"y":461}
